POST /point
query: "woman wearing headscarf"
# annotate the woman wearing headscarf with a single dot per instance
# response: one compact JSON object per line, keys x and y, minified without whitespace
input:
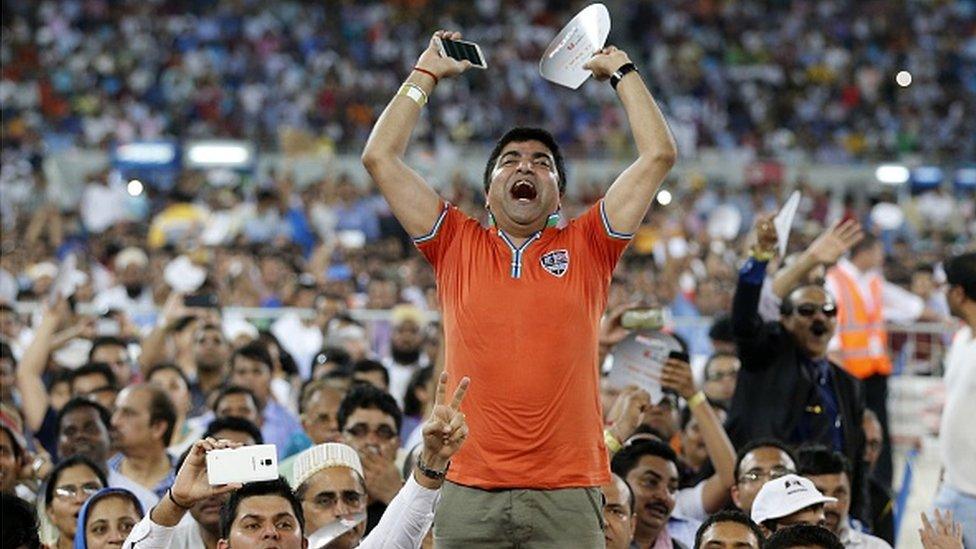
{"x":107,"y":518}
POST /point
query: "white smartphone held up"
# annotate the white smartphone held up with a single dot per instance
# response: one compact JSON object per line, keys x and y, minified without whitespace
{"x":461,"y":50}
{"x":244,"y":464}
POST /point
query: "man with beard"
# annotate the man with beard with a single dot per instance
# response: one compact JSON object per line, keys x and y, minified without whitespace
{"x":787,"y":388}
{"x":82,"y":429}
{"x":406,"y":344}
{"x":830,"y":473}
{"x":650,"y":468}
{"x":132,"y":291}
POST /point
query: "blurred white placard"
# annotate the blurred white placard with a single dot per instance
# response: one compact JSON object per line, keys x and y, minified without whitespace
{"x":784,"y":221}
{"x":638,"y":360}
{"x":587,"y":33}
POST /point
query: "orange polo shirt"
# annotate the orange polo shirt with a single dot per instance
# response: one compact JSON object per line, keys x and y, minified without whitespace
{"x":523,"y":324}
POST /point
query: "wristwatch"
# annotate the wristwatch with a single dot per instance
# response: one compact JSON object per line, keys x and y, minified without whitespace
{"x":432,"y":473}
{"x":621,"y":72}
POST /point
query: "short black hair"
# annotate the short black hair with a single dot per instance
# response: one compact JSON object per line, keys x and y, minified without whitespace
{"x":820,"y":460}
{"x":20,"y":527}
{"x":369,"y":397}
{"x":235,"y":390}
{"x":729,"y":515}
{"x":332,"y":354}
{"x":161,"y":408}
{"x":106,"y":341}
{"x":77,"y":403}
{"x":627,"y":458}
{"x":803,"y":535}
{"x":411,"y":404}
{"x":170,"y":367}
{"x":255,"y":350}
{"x":520,"y":134}
{"x":94,"y":368}
{"x":960,"y":271}
{"x":766,"y":442}
{"x":366,"y":366}
{"x":238,"y":424}
{"x":287,"y":362}
{"x":278,"y":487}
{"x":721,"y":329}
{"x":73,"y":461}
{"x":868,"y":241}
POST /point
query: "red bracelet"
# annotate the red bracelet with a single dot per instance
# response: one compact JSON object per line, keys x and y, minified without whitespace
{"x":428,"y":73}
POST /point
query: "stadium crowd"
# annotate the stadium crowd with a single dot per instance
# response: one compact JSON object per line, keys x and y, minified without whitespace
{"x":770,"y":77}
{"x":139,"y":333}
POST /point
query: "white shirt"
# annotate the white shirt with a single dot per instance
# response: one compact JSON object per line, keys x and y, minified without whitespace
{"x":403,"y":526}
{"x":400,"y":375}
{"x":302,"y":341}
{"x":147,"y":498}
{"x":852,"y":539}
{"x":957,"y":438}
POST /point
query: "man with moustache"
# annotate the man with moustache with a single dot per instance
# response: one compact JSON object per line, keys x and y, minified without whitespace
{"x":787,"y":388}
{"x":650,"y":468}
{"x":830,"y":473}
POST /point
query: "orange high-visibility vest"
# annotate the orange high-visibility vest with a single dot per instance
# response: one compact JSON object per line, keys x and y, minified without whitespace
{"x":861,"y":330}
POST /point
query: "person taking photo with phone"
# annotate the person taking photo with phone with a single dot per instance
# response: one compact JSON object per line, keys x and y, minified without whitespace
{"x":522,"y":304}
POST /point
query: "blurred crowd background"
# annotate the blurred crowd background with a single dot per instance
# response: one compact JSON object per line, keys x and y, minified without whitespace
{"x":306,"y":264}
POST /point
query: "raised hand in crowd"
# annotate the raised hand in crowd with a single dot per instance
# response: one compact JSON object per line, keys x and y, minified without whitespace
{"x":627,"y":412}
{"x":946,"y":533}
{"x":444,"y":431}
{"x":191,"y":485}
{"x":825,"y":250}
{"x":382,"y":476}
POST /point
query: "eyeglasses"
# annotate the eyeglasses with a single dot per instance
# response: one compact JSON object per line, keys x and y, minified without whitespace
{"x":70,"y":491}
{"x":719,"y":376}
{"x":809,"y":309}
{"x":362,"y":430}
{"x":328,"y":500}
{"x":774,"y":473}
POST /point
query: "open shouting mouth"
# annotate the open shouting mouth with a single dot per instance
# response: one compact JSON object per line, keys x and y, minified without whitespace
{"x":523,"y":189}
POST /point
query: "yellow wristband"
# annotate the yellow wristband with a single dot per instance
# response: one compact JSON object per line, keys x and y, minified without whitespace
{"x":414,"y":92}
{"x":762,"y":255}
{"x":611,"y":441}
{"x":696,"y":399}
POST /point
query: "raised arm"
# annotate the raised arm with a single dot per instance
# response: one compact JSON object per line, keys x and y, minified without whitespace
{"x":627,"y":200}
{"x":747,"y":325}
{"x":676,"y":375}
{"x":825,"y":250}
{"x":32,"y":390}
{"x":411,"y":199}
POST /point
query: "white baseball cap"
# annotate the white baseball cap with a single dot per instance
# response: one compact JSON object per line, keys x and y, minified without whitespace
{"x":323,"y":456}
{"x":784,"y":496}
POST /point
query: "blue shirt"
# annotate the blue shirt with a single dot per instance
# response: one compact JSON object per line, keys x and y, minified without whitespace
{"x":279,"y":425}
{"x":819,"y":371}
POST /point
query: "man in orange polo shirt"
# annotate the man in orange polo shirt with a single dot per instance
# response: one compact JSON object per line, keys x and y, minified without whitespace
{"x":522,"y":302}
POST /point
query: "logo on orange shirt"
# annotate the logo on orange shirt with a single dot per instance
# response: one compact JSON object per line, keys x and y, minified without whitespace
{"x":556,"y":262}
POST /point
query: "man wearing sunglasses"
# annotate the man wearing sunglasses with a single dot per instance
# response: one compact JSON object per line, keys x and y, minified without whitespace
{"x":788,"y":388}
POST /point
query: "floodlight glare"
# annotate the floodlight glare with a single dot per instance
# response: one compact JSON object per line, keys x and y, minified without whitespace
{"x":892,"y":174}
{"x":664,"y":197}
{"x":227,"y":154}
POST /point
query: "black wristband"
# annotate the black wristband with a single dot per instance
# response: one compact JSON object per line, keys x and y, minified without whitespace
{"x":620,"y":73}
{"x":169,"y":494}
{"x":431,"y":473}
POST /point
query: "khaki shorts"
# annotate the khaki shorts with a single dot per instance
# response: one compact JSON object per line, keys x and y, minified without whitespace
{"x":525,"y":519}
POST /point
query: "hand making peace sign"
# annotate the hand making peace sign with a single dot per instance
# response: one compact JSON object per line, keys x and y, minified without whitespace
{"x":445,"y":430}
